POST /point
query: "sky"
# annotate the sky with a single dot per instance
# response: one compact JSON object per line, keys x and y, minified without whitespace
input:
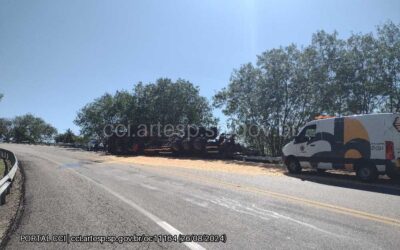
{"x":57,"y":56}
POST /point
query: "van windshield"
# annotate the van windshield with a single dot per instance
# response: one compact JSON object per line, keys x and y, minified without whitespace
{"x":306,"y":134}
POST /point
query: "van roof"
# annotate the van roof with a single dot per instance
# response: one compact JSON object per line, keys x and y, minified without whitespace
{"x":361,"y":115}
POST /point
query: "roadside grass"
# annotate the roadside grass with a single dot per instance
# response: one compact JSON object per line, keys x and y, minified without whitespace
{"x":2,"y":167}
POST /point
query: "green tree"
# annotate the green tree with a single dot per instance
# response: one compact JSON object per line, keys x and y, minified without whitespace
{"x":28,"y":128}
{"x":5,"y":129}
{"x":95,"y":116}
{"x":171,"y":102}
{"x":247,"y":102}
{"x":329,"y":54}
{"x":331,"y":76}
{"x":266,"y":103}
{"x":164,"y":102}
{"x":67,"y":137}
{"x":389,"y":59}
{"x":365,"y":87}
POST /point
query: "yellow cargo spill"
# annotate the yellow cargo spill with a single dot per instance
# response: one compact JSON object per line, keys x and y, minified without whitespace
{"x":230,"y":166}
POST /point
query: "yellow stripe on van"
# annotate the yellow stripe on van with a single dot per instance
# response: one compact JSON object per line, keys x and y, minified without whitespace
{"x":354,"y":129}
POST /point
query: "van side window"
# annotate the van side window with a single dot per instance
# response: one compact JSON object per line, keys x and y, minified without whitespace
{"x":306,"y":134}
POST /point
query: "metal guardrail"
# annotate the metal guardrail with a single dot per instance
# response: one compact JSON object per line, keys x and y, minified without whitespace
{"x":11,"y":166}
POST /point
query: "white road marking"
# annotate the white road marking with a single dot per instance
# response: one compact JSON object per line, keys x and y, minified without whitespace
{"x":198,"y":203}
{"x":148,"y":186}
{"x":278,"y":215}
{"x":257,"y":212}
{"x":163,"y":224}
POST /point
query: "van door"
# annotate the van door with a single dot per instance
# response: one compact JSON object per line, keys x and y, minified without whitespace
{"x":305,"y":149}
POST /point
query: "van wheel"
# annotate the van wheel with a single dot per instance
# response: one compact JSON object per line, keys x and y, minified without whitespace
{"x":293,"y":166}
{"x":367,"y":172}
{"x":393,"y":175}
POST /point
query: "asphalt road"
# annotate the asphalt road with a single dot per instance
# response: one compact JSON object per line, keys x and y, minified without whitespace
{"x":77,"y":193}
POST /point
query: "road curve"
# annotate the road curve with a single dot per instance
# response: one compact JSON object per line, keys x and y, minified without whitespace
{"x":79,"y":193}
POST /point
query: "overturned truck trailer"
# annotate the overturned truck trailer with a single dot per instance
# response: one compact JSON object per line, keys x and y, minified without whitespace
{"x":199,"y":141}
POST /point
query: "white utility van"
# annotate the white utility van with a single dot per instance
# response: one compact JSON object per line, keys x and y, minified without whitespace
{"x":368,"y":144}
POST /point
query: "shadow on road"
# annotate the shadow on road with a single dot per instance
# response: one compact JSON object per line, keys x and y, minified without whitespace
{"x":384,"y":185}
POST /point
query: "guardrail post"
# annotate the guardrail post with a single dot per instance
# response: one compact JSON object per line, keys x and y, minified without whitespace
{"x":3,"y":198}
{"x":9,"y":187}
{"x":8,"y":190}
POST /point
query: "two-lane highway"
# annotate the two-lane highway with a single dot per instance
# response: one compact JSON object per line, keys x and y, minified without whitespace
{"x":81,"y":193}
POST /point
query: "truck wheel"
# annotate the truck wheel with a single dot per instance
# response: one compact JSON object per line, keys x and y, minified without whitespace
{"x":367,"y":172}
{"x":321,"y":171}
{"x":293,"y":166}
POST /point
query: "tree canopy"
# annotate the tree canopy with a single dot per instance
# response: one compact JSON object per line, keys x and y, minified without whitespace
{"x":164,"y":102}
{"x":26,"y":128}
{"x":67,"y":137}
{"x":5,"y":129}
{"x":290,"y":85}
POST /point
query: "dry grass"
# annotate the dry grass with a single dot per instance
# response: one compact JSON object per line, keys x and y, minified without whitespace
{"x":2,"y":167}
{"x":229,"y":166}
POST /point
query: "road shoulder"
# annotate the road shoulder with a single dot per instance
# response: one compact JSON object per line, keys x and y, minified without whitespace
{"x":11,"y":212}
